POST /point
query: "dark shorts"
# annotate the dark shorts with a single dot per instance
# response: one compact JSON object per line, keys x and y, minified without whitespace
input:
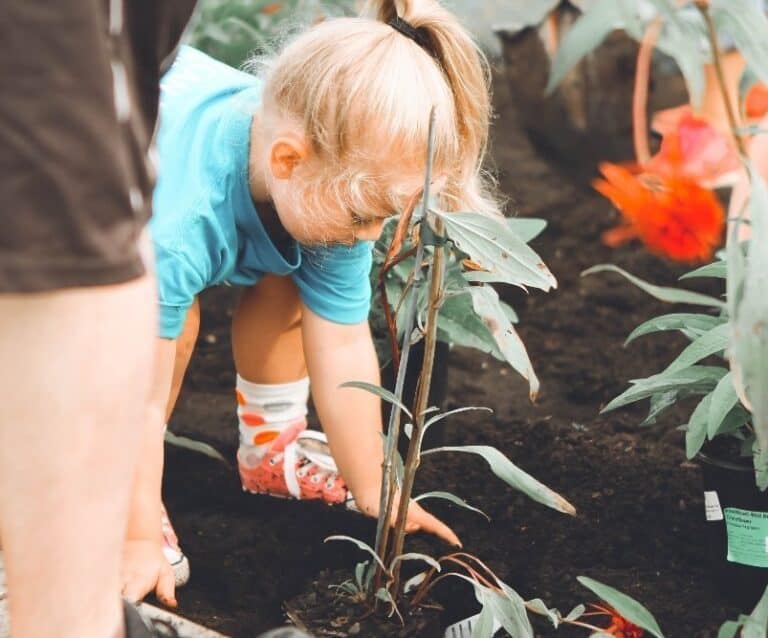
{"x":78,"y":102}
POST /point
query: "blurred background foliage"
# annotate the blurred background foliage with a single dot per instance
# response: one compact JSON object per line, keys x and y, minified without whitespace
{"x":233,"y":30}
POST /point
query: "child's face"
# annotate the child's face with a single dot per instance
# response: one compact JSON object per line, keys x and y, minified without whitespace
{"x":312,"y":216}
{"x":329,"y":223}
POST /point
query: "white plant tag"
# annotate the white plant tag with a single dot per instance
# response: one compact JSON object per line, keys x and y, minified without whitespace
{"x":712,"y":508}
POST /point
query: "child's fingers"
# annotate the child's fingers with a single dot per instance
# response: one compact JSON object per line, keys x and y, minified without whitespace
{"x":426,"y":522}
{"x":166,"y":587}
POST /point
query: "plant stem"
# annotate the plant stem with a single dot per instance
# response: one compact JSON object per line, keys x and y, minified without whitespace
{"x":717,"y":56}
{"x":422,"y":400}
{"x":388,"y":487}
{"x":640,"y":93}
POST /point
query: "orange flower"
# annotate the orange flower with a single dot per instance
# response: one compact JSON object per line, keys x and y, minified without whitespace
{"x":620,"y":627}
{"x":668,"y":211}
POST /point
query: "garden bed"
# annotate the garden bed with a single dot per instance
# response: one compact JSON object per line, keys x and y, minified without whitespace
{"x":640,"y":526}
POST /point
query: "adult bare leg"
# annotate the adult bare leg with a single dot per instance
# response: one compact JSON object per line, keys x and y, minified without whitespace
{"x":75,"y":372}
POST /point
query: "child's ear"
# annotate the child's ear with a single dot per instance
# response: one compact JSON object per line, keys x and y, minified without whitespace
{"x":284,"y":154}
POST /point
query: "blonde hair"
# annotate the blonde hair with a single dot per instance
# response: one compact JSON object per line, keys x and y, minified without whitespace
{"x":362,"y":91}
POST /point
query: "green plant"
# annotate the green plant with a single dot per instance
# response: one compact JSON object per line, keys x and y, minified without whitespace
{"x":442,"y":256}
{"x":233,"y":30}
{"x":735,"y":397}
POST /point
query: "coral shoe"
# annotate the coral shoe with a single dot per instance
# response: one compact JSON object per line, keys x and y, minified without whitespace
{"x":298,"y":465}
{"x":172,"y":550}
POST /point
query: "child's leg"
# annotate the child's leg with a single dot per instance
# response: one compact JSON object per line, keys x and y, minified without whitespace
{"x":275,"y":455}
{"x":272,"y":384}
{"x":73,"y":373}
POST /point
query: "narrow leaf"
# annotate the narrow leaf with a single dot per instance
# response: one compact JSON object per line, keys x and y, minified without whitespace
{"x":693,"y":380}
{"x":757,"y":624}
{"x":362,"y":545}
{"x":194,"y":446}
{"x":380,"y":392}
{"x":443,"y":415}
{"x":686,"y":322}
{"x":718,"y":269}
{"x":696,"y":431}
{"x":512,"y":475}
{"x":629,"y":608}
{"x":415,"y":556}
{"x":723,"y":401}
{"x":712,"y":342}
{"x":662,"y":293}
{"x":447,"y":496}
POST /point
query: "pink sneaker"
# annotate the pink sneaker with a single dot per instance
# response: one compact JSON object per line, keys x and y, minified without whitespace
{"x":172,"y":550}
{"x":297,"y":465}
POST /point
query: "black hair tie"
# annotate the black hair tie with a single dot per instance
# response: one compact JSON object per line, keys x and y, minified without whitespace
{"x":414,"y":33}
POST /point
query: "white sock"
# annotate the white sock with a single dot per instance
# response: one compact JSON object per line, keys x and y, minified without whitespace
{"x":265,"y":410}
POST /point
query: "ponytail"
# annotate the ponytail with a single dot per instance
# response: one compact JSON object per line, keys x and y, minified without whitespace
{"x":363,"y":88}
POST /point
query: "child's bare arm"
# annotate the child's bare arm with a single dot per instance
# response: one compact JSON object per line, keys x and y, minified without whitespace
{"x":351,"y":418}
{"x":145,"y":568}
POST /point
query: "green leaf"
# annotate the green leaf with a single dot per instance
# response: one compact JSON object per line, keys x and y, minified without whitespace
{"x":415,"y":556}
{"x":512,"y":475}
{"x":723,"y":401}
{"x":629,"y":608}
{"x":527,"y":228}
{"x":693,"y":380}
{"x":718,"y":269}
{"x":749,"y":353}
{"x":662,"y":293}
{"x":195,"y":446}
{"x":485,"y":301}
{"x":748,"y":26}
{"x":380,"y":392}
{"x":489,"y":242}
{"x":453,"y":499}
{"x":538,"y":606}
{"x":362,"y":545}
{"x":660,"y":403}
{"x":711,"y":342}
{"x":728,"y":629}
{"x":458,"y":324}
{"x":688,"y":323}
{"x":680,"y":38}
{"x":576,"y":613}
{"x":439,"y":417}
{"x":586,"y":34}
{"x":696,"y":430}
{"x":756,"y":626}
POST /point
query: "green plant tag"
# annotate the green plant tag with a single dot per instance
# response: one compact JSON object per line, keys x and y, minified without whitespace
{"x":747,"y":536}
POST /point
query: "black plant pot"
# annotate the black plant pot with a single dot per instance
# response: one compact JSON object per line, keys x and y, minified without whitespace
{"x":437,"y":390}
{"x":737,"y":527}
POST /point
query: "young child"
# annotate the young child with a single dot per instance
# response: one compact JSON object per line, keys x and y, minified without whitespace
{"x":280,"y":184}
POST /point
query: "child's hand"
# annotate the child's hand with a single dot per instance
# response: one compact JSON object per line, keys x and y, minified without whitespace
{"x":419,"y":520}
{"x":146,"y":569}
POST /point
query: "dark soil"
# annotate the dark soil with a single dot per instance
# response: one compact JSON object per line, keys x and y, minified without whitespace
{"x":640,"y":524}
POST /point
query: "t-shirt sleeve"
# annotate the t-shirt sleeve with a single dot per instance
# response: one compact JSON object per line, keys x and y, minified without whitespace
{"x":187,"y":257}
{"x":334,"y":281}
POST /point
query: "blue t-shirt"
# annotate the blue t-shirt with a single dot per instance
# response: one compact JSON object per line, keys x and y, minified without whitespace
{"x":205,"y":227}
